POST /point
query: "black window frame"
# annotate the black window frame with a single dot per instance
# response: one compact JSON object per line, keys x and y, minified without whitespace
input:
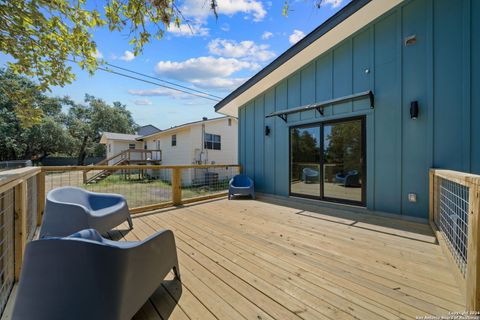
{"x":211,"y":143}
{"x":321,"y":124}
{"x":130,"y":146}
{"x":174,"y":140}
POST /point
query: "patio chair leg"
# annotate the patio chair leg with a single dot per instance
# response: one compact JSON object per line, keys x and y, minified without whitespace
{"x":176,"y":271}
{"x":130,"y":223}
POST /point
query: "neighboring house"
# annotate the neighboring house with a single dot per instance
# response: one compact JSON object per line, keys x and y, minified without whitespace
{"x":360,"y":109}
{"x":115,"y":143}
{"x":208,"y":141}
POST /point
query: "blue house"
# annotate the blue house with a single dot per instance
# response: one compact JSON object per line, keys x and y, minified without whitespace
{"x":360,"y":109}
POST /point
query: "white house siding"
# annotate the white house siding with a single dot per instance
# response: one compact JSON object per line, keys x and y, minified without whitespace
{"x":173,"y":155}
{"x":118,"y":146}
{"x":229,"y":145}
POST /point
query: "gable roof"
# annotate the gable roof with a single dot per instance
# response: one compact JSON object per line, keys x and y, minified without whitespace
{"x":184,"y":126}
{"x":118,"y":136}
{"x":351,"y":18}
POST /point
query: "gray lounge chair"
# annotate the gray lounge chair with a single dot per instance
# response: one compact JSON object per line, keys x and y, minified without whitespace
{"x":85,"y":276}
{"x":70,"y":209}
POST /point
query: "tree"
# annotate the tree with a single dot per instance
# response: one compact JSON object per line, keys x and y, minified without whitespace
{"x":87,"y":122}
{"x":35,"y":141}
{"x":43,"y":35}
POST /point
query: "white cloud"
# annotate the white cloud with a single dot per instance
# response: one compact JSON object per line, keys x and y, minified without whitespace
{"x":247,"y":50}
{"x":210,"y":72}
{"x":200,"y":9}
{"x":333,"y":3}
{"x":143,"y":102}
{"x":161,"y":92}
{"x":267,"y":35}
{"x":98,"y":54}
{"x":219,"y":83}
{"x":127,"y":56}
{"x":296,"y":36}
{"x":202,"y":67}
{"x":188,"y":30}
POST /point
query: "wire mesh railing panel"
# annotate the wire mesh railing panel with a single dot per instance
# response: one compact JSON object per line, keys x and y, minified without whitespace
{"x":453,"y":199}
{"x":7,"y":240}
{"x":141,"y":187}
{"x":198,"y":182}
{"x":31,"y":218}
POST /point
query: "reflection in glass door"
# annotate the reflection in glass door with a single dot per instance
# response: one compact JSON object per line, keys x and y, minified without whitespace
{"x":327,"y":161}
{"x":343,"y":160}
{"x":305,"y":161}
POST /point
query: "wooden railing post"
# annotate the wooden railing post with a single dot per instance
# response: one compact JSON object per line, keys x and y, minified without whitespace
{"x":431,"y":196}
{"x":473,"y":266}
{"x":20,"y":225}
{"x":40,"y":196}
{"x":177,"y":186}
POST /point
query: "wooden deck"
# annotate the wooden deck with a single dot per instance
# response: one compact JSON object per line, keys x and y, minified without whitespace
{"x":246,"y":259}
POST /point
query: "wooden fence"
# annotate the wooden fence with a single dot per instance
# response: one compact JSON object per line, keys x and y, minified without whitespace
{"x":454,"y":216}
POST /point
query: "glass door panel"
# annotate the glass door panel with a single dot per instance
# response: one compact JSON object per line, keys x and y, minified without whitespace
{"x":305,"y":151}
{"x":343,"y":160}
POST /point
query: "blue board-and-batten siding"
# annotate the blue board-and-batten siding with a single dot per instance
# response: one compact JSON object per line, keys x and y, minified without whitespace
{"x":441,"y":71}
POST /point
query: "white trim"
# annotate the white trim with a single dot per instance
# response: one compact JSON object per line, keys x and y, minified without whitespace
{"x":349,"y":26}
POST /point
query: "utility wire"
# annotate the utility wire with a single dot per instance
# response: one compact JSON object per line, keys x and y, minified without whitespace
{"x":160,"y":85}
{"x":165,"y":81}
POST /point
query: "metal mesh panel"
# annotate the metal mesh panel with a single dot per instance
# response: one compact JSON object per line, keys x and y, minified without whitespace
{"x":453,"y":219}
{"x":31,"y":219}
{"x":7,"y":208}
{"x":198,"y":182}
{"x":140,"y":187}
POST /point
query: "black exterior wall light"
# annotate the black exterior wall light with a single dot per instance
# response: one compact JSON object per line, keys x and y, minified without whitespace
{"x":414,"y":110}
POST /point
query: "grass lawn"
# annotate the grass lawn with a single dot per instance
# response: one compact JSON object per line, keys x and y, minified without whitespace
{"x":139,"y":192}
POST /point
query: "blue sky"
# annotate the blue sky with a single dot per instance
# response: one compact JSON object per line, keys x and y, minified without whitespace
{"x":211,"y":55}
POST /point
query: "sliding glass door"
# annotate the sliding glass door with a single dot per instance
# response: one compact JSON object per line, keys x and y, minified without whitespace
{"x":327,"y":161}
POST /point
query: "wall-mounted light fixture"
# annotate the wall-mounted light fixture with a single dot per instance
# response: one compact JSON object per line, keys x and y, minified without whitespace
{"x":414,"y":110}
{"x":267,"y":130}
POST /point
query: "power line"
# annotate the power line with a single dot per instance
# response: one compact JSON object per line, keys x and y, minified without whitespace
{"x":160,"y":85}
{"x":165,"y":81}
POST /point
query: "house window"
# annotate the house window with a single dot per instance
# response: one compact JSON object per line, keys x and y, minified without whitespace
{"x":158,"y":144}
{"x":174,"y":140}
{"x":212,"y":141}
{"x":229,"y":122}
{"x":109,"y":148}
{"x":131,"y":146}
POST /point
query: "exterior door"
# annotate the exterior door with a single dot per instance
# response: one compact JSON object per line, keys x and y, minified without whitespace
{"x":327,"y":161}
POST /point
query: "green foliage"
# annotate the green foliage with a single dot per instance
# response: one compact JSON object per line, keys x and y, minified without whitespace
{"x":43,"y":36}
{"x":72,"y":133}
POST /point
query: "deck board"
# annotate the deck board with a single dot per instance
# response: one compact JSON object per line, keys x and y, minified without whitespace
{"x":257,"y":260}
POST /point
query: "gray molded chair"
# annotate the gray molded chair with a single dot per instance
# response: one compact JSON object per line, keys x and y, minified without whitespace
{"x":70,"y":209}
{"x":85,"y":276}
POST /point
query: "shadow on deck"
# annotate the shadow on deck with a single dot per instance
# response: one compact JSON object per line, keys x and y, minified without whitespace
{"x":258,"y":260}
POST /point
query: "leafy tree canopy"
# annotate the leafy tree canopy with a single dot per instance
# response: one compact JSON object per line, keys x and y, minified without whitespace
{"x":74,"y":132}
{"x":43,"y":36}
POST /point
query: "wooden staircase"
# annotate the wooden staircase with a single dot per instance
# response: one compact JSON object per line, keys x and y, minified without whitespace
{"x":125,"y":157}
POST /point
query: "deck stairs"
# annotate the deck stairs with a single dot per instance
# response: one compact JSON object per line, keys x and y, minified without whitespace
{"x":126,"y":157}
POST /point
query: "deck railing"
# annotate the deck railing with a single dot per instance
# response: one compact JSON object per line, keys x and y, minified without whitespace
{"x":454,"y":215}
{"x":21,"y":196}
{"x":146,"y":187}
